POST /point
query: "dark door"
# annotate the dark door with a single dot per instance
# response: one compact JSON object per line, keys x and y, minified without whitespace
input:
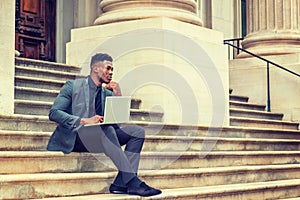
{"x":35,"y":29}
{"x":244,"y":19}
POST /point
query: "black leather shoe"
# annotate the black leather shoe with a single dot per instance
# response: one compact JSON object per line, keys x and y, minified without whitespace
{"x":143,"y":190}
{"x":117,"y":189}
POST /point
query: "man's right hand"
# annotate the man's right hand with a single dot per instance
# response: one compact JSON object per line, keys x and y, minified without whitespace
{"x":92,"y":120}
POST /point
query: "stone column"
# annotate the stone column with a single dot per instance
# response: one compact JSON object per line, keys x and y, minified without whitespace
{"x":120,"y":10}
{"x":273,"y":27}
{"x":7,"y":56}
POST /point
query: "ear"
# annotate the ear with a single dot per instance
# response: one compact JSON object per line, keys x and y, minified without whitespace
{"x":96,"y":67}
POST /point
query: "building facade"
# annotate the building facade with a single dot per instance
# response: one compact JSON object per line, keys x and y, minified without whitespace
{"x":270,"y":28}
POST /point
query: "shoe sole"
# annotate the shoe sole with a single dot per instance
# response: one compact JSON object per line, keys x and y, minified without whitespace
{"x":144,"y":195}
{"x":118,"y":192}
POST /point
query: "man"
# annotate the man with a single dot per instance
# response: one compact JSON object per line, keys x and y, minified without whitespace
{"x":81,"y":102}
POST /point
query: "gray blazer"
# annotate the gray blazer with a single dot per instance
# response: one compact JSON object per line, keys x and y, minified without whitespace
{"x":71,"y":104}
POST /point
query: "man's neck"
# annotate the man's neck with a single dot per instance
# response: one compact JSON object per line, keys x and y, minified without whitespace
{"x":97,"y":82}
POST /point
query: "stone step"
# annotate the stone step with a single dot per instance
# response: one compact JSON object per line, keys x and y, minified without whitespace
{"x":35,"y":94}
{"x":23,"y":141}
{"x":41,"y":123}
{"x":248,"y":106}
{"x":238,"y":98}
{"x":33,"y":185}
{"x":228,"y":132}
{"x":39,"y":64}
{"x":234,"y":112}
{"x":44,"y":73}
{"x":55,"y":85}
{"x":256,"y":190}
{"x":37,"y":98}
{"x":142,"y":115}
{"x":38,"y":83}
{"x":185,"y":143}
{"x":31,"y":104}
{"x":32,"y":141}
{"x":29,"y":107}
{"x":296,"y":198}
{"x":248,"y":122}
{"x":18,"y":122}
{"x":20,"y":162}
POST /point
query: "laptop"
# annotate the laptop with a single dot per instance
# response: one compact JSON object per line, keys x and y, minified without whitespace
{"x":116,"y":110}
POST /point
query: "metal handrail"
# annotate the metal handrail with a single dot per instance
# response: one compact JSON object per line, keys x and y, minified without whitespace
{"x":268,"y":67}
{"x":238,"y":41}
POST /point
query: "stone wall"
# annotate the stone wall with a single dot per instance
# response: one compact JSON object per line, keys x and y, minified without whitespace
{"x":7,"y":55}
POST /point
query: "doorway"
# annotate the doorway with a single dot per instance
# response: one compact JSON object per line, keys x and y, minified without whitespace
{"x":35,"y":29}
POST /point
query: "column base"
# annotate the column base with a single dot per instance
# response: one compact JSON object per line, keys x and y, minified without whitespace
{"x":140,"y":13}
{"x":118,"y":11}
{"x":267,"y":44}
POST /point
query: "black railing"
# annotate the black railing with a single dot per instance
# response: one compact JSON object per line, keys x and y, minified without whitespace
{"x":235,"y":51}
{"x":268,"y":62}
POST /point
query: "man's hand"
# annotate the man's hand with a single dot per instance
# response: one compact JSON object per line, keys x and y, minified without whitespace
{"x":115,"y":88}
{"x":92,"y":120}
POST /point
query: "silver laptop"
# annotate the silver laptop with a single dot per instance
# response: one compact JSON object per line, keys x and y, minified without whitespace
{"x":116,"y":110}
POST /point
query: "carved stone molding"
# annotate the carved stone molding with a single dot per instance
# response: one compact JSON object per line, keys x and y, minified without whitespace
{"x":120,"y":10}
{"x":273,"y":27}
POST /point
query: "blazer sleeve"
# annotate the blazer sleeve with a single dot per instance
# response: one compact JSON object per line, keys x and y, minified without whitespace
{"x":61,"y":111}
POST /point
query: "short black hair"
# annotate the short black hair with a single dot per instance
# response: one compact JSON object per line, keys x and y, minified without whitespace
{"x":100,"y":57}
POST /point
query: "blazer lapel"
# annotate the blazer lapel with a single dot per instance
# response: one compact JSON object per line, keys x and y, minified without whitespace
{"x":86,"y":96}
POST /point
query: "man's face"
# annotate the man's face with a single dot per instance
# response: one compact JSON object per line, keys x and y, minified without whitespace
{"x":104,"y":71}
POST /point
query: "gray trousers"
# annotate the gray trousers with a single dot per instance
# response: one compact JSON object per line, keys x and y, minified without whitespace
{"x":108,"y":139}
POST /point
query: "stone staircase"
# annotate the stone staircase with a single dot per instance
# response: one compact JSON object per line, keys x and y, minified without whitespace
{"x":257,"y":157}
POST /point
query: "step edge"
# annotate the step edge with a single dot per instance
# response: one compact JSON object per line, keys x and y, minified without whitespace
{"x":45,"y":62}
{"x":146,"y":112}
{"x":263,"y":120}
{"x":255,"y":112}
{"x":22,"y":154}
{"x":144,"y":173}
{"x":39,"y":79}
{"x":30,"y":89}
{"x":160,"y":124}
{"x":30,"y":102}
{"x":247,"y":103}
{"x":49,"y":71}
{"x":167,"y":137}
{"x":203,"y":127}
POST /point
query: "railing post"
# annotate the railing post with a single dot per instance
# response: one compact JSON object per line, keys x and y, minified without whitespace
{"x":238,"y":44}
{"x":268,"y":88}
{"x":228,"y":52}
